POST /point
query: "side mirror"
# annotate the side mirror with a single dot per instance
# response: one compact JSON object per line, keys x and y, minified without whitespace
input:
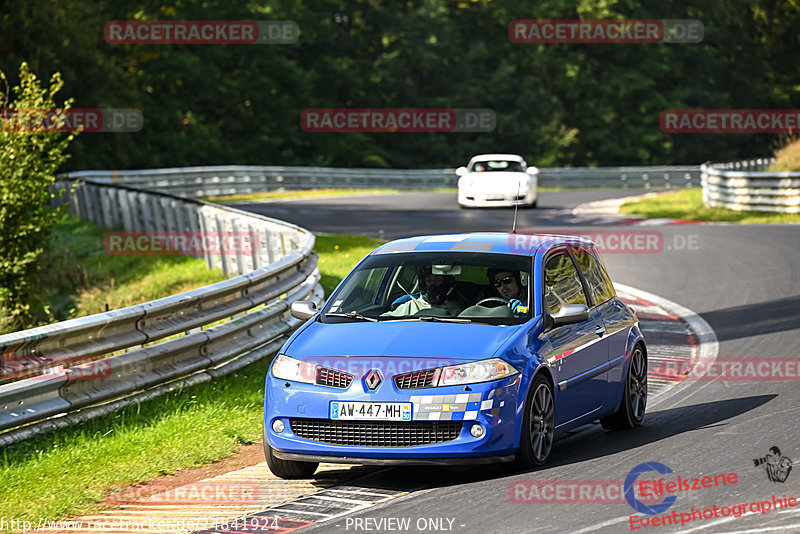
{"x":461,"y":171}
{"x":532,"y":170}
{"x":303,"y":309}
{"x":570,"y":314}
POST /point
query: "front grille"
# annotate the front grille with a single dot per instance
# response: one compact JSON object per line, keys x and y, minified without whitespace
{"x":333,"y":378}
{"x":417,"y":379}
{"x":376,"y":433}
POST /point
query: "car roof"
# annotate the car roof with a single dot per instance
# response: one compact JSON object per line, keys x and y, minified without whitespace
{"x":490,"y":157}
{"x":520,"y":243}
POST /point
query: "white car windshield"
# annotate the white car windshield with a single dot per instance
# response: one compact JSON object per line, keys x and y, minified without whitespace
{"x":496,"y":166}
{"x":458,"y":287}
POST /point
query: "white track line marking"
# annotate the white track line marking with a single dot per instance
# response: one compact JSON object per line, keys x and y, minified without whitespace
{"x":708,"y":346}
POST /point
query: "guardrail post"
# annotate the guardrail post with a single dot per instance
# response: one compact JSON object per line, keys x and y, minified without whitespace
{"x":148,"y":222}
{"x":222,"y":249}
{"x":240,"y":268}
{"x":269,"y":245}
{"x":206,"y":229}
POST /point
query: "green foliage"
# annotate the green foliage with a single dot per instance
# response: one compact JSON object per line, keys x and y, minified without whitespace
{"x":30,"y":154}
{"x":787,"y":158}
{"x":557,"y":104}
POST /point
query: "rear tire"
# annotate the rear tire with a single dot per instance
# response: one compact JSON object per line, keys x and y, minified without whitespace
{"x":287,"y":469}
{"x":630,"y":413}
{"x":538,"y":425}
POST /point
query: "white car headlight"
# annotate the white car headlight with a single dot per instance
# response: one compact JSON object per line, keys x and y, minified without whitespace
{"x":287,"y":368}
{"x":470,"y":373}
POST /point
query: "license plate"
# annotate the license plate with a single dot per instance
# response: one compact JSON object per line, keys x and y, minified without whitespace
{"x":377,"y":411}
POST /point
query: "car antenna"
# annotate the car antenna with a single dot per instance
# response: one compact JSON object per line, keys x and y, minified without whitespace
{"x":516,"y":206}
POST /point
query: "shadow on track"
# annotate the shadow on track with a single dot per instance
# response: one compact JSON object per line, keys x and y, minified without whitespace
{"x":748,"y":320}
{"x":586,"y":443}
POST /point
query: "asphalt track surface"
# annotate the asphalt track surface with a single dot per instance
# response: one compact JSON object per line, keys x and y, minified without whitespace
{"x":743,"y":280}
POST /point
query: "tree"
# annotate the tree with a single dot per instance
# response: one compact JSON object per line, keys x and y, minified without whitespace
{"x":32,"y":147}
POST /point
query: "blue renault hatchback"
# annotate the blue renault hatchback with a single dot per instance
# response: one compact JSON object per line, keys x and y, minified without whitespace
{"x":456,"y":349}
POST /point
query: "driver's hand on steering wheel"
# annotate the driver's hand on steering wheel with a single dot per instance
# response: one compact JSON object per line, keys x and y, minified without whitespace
{"x":517,"y":307}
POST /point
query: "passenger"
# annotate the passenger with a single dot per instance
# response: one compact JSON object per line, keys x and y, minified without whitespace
{"x":435,"y":292}
{"x":509,"y":286}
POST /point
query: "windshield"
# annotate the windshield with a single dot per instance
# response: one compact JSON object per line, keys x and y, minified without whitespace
{"x":458,"y":287}
{"x":496,"y":166}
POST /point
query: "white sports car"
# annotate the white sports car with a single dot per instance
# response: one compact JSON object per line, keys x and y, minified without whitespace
{"x":497,"y":180}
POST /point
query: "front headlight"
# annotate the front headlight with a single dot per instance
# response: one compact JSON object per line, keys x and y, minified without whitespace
{"x":287,"y":368}
{"x":471,"y":373}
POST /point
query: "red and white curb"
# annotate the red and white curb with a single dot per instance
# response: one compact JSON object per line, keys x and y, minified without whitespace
{"x":673,"y":333}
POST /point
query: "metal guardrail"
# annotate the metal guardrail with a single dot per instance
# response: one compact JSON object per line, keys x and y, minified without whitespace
{"x":745,"y":186}
{"x":191,"y":336}
{"x":194,"y":182}
{"x":626,"y":177}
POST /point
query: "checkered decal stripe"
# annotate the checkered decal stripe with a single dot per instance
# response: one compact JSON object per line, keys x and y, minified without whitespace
{"x":460,"y":407}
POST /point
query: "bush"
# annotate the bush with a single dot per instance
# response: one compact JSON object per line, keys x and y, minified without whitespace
{"x":31,"y":150}
{"x":787,"y":158}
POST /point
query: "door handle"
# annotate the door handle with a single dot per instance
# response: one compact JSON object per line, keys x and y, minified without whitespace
{"x":600,"y":330}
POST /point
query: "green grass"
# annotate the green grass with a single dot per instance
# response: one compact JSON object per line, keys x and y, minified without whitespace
{"x":78,"y":277}
{"x":311,"y":193}
{"x":787,"y":158}
{"x":69,"y":471}
{"x":688,"y":204}
{"x":338,"y":254}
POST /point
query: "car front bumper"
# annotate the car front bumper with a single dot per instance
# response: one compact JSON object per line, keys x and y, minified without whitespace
{"x":479,"y":199}
{"x":492,"y":405}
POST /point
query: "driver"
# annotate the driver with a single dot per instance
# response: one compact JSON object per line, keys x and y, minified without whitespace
{"x":509,"y":286}
{"x":435,"y":290}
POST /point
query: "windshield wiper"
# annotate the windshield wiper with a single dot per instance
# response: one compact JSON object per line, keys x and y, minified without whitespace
{"x":434,"y":319}
{"x":352,"y":315}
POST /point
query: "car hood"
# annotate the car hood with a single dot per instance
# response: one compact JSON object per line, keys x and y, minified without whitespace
{"x":496,"y":180}
{"x":461,"y":342}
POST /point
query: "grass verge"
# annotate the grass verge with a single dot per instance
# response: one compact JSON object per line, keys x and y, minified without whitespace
{"x":687,"y":204}
{"x":69,"y":472}
{"x":312,"y":193}
{"x":78,"y":277}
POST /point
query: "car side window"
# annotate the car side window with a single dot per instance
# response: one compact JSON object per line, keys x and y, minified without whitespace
{"x":562,"y":283}
{"x":600,"y":287}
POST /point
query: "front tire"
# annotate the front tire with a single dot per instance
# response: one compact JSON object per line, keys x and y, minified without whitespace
{"x":630,"y":413}
{"x":287,"y":469}
{"x":538,"y":425}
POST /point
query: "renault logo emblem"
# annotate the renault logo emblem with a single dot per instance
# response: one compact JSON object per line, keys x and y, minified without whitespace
{"x":372,"y":380}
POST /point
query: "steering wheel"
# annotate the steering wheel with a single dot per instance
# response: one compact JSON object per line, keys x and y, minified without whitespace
{"x":496,"y":299}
